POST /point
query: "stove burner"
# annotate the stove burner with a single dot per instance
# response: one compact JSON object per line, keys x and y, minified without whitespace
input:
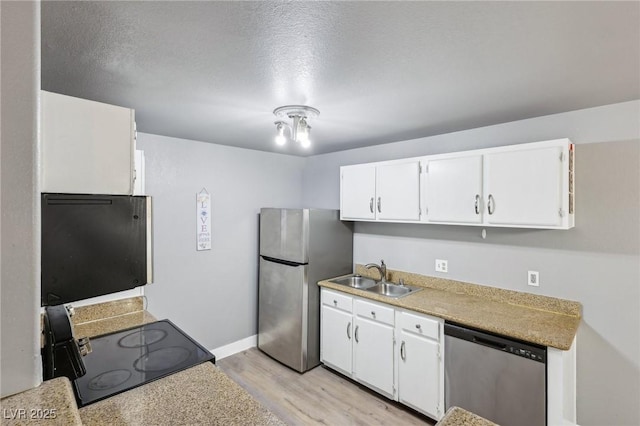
{"x":109,"y":379}
{"x":141,"y":338}
{"x":134,"y":357}
{"x":162,"y":359}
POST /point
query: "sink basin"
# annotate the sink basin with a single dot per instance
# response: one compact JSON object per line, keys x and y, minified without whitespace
{"x":393,"y":290}
{"x":355,"y":281}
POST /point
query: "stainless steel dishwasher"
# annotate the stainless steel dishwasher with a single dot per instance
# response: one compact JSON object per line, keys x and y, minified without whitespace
{"x":500,"y":379}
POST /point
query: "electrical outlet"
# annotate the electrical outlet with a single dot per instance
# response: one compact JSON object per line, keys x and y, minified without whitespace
{"x":441,"y":266}
{"x":533,"y":278}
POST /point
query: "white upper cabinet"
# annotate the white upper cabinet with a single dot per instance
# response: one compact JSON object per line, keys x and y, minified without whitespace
{"x":358,"y":192}
{"x":453,"y":189}
{"x":87,"y":147}
{"x":398,"y":191}
{"x":388,"y":191}
{"x":524,"y":186}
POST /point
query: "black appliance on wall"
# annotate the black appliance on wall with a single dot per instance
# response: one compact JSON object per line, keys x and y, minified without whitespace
{"x":94,"y":245}
{"x":115,"y":362}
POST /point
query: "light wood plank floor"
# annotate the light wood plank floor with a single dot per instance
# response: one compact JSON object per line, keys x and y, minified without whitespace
{"x":319,"y":396}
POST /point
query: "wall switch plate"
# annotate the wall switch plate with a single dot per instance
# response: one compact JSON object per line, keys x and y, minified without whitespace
{"x":533,"y":278}
{"x":441,"y":266}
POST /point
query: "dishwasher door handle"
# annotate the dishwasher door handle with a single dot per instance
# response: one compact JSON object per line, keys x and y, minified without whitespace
{"x":490,"y":343}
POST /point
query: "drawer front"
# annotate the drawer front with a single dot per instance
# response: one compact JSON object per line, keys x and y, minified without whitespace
{"x":337,"y":300}
{"x":374,"y":311}
{"x":420,"y":325}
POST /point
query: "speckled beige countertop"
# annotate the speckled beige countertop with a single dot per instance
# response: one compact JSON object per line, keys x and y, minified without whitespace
{"x":51,"y":403}
{"x":456,"y":416}
{"x":199,"y":395}
{"x":537,"y":319}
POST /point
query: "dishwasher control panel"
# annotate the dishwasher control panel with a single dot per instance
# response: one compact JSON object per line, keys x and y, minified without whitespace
{"x":501,"y":343}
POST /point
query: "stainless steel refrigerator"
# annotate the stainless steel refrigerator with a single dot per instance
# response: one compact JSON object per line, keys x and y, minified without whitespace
{"x":298,"y":248}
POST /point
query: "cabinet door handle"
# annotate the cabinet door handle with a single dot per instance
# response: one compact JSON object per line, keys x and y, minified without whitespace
{"x":371,"y":204}
{"x":349,"y":331}
{"x":403,"y":355}
{"x":477,"y":205}
{"x":491,"y":204}
{"x":355,"y":334}
{"x":379,"y":205}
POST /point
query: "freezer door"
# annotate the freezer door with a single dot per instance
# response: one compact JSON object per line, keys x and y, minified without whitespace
{"x":284,"y":234}
{"x":282,"y":313}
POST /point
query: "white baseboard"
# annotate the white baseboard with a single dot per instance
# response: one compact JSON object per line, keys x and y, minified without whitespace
{"x":235,"y":347}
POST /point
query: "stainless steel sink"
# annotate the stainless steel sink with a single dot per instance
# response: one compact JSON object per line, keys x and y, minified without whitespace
{"x":355,"y":281}
{"x":393,"y":290}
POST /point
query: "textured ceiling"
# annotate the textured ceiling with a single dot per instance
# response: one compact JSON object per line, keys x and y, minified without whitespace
{"x":377,"y":71}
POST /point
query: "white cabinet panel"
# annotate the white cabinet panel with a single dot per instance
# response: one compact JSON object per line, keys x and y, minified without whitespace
{"x":524,"y":187}
{"x":398,"y":191}
{"x":373,"y":355}
{"x":420,"y":366}
{"x":453,"y":190}
{"x":139,"y":186}
{"x":87,"y":147}
{"x":336,"y":335}
{"x":357,"y":192}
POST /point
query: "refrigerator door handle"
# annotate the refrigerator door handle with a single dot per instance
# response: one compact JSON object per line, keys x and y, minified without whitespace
{"x":281,"y":261}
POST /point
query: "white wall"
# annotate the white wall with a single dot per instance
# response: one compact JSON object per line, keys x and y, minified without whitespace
{"x":597,"y":263}
{"x":21,"y":367}
{"x":212,"y":295}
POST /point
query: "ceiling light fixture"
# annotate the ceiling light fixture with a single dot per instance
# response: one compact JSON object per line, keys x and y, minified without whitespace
{"x":299,"y":129}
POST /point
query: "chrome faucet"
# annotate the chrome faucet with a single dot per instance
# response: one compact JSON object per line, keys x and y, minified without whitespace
{"x":382,"y":269}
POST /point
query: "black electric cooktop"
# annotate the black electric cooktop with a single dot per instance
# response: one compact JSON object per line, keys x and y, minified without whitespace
{"x":129,"y":358}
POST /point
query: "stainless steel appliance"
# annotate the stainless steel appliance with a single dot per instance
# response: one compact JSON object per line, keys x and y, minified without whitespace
{"x":500,"y":379}
{"x":298,"y":248}
{"x":116,"y":362}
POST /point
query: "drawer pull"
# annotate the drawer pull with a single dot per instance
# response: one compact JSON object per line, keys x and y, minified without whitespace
{"x":418,"y":326}
{"x":335,"y":302}
{"x":373,"y":313}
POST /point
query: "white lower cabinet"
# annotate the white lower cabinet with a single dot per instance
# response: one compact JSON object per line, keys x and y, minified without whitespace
{"x":373,"y":346}
{"x":420,"y":367}
{"x":392,"y":351}
{"x":336,"y":331}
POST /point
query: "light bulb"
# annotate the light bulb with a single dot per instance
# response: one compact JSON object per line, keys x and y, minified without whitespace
{"x":303,"y":136}
{"x":280,"y":139}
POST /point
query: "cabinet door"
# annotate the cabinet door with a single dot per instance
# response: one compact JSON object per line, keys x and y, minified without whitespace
{"x":453,"y":190}
{"x":373,"y":355}
{"x":357,"y":192}
{"x":419,"y":374}
{"x":524,"y":187}
{"x":398,"y":191}
{"x":336,"y":334}
{"x":87,"y":147}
